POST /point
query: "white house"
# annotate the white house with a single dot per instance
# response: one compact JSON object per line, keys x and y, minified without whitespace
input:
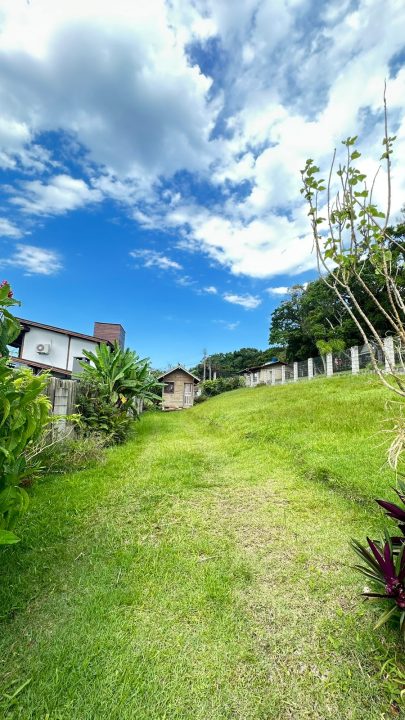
{"x":268,"y":373}
{"x":45,"y":347}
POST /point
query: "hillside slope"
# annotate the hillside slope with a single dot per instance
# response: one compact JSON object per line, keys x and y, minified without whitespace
{"x":204,"y":572}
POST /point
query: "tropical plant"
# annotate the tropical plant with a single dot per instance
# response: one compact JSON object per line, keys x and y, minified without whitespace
{"x":121,"y":374}
{"x":114,"y":384}
{"x":98,"y":416}
{"x":385,"y":567}
{"x":24,"y":412}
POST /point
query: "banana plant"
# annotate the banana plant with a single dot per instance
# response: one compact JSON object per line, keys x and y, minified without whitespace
{"x":120,"y":374}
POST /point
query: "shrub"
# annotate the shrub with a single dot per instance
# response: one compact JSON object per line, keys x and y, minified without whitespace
{"x":24,"y":414}
{"x":113,"y":386}
{"x":209,"y":388}
{"x":100,"y":417}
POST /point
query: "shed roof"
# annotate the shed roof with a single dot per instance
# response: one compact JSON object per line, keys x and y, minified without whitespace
{"x":178,"y":367}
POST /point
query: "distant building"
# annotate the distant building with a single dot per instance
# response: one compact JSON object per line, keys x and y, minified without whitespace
{"x":178,"y":389}
{"x":268,"y":373}
{"x":46,"y":347}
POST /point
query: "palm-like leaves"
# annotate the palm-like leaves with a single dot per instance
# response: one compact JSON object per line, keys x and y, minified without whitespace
{"x":120,"y":374}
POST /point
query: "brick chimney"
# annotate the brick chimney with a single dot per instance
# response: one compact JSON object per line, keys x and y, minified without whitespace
{"x":110,"y":332}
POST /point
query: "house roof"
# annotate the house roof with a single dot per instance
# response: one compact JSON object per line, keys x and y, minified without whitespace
{"x":71,"y":333}
{"x":269,"y":363}
{"x":40,"y":366}
{"x":178,"y":367}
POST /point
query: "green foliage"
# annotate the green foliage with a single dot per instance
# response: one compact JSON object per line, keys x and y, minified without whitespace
{"x":209,"y":388}
{"x":231,"y":363}
{"x":332,"y":346}
{"x":315,"y":313}
{"x":121,"y":374}
{"x":24,"y":412}
{"x":111,"y":388}
{"x":99,"y":416}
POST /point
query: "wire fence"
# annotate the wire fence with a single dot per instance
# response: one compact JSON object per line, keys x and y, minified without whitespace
{"x":353,"y":360}
{"x":319,"y":366}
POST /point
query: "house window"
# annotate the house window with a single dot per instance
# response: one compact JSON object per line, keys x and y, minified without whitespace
{"x":254,"y":378}
{"x":169,"y":387}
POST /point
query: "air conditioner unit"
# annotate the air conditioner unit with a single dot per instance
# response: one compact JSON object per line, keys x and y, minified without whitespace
{"x":43,"y":348}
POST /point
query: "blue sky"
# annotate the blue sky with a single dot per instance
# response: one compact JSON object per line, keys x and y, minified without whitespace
{"x":150,"y":156}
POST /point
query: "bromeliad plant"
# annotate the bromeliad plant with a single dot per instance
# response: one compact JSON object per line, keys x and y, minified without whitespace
{"x":384,"y":562}
{"x":385,"y":567}
{"x":24,"y":412}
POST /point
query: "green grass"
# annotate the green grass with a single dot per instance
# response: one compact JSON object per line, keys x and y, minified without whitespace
{"x":203,"y":572}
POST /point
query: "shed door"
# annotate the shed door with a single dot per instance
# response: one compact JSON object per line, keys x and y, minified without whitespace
{"x":188,"y":394}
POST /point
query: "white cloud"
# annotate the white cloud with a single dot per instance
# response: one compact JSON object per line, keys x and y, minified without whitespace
{"x":211,"y":290}
{"x":249,"y":302}
{"x":228,"y":325}
{"x":152,"y":258}
{"x":60,"y":194}
{"x":8,"y":229}
{"x":121,"y":80}
{"x":34,"y":260}
{"x":282,"y":290}
{"x":116,"y":75}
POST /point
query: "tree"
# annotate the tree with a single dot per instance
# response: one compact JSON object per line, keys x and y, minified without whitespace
{"x":315,"y":313}
{"x":232,"y":363}
{"x":356,"y":248}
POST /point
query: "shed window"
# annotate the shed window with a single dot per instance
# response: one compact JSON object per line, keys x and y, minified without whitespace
{"x":169,"y":387}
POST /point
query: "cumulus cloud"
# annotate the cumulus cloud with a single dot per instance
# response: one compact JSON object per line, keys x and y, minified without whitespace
{"x":8,"y":229}
{"x":152,"y":258}
{"x":140,"y":90}
{"x":61,"y":194}
{"x":282,"y":290}
{"x":210,"y":290}
{"x":249,"y":302}
{"x":33,"y":260}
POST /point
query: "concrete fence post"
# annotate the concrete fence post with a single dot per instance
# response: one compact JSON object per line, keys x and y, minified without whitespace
{"x":295,"y":371}
{"x":283,"y":374}
{"x":329,"y":364}
{"x":354,"y":352}
{"x":389,"y":353}
{"x":310,"y":368}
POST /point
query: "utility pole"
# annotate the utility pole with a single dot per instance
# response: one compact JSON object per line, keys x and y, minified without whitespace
{"x":204,"y":363}
{"x":209,"y":369}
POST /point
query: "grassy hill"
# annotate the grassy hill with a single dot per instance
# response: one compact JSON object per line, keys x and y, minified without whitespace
{"x":203,"y":573}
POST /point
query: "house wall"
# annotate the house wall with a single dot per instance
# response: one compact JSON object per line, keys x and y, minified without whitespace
{"x":264,"y":375}
{"x":63,"y":348}
{"x":173,"y":401}
{"x":76,"y":349}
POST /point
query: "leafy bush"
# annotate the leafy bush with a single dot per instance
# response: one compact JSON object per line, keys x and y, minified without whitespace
{"x":384,"y":562}
{"x":24,"y":412}
{"x":113,"y":388}
{"x":69,"y":453}
{"x":209,"y":388}
{"x":100,"y":417}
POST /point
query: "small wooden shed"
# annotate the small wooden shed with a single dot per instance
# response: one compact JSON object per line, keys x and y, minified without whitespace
{"x":179,"y":388}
